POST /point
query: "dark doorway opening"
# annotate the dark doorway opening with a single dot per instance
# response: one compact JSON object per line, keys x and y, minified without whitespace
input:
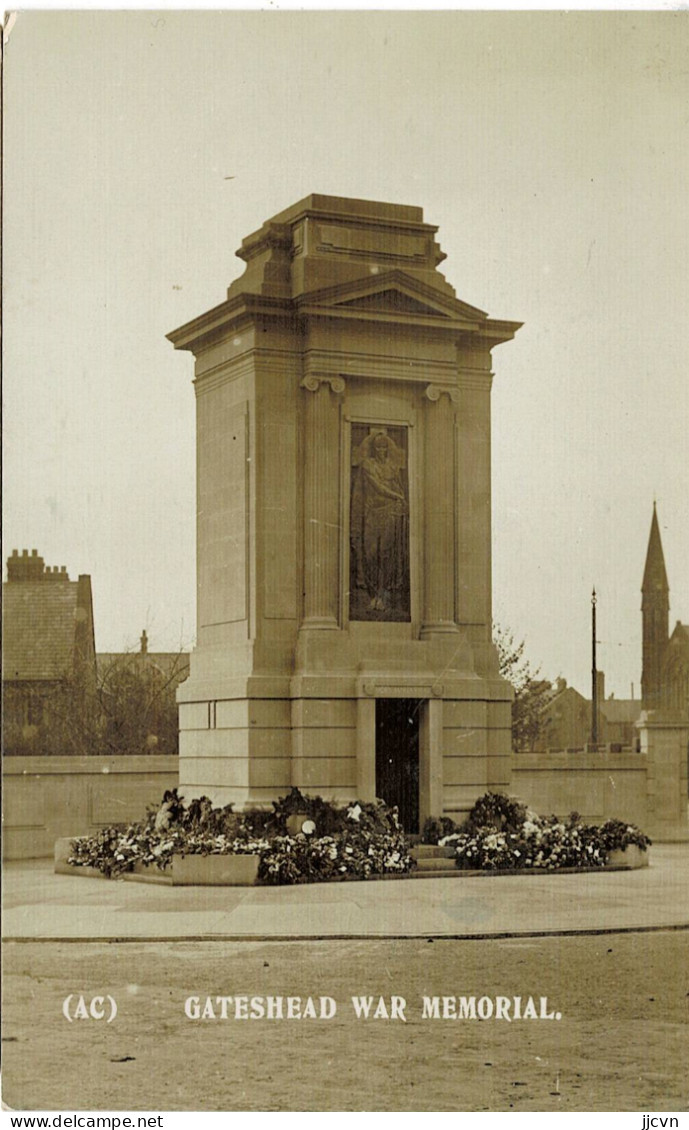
{"x":397,"y":757}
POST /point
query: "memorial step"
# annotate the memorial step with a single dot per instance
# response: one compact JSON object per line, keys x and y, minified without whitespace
{"x":450,"y":872}
{"x":432,"y":851}
{"x":438,"y":864}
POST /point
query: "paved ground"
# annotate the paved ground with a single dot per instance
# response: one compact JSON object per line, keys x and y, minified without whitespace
{"x":40,"y":904}
{"x":608,"y":950}
{"x":622,"y":1043}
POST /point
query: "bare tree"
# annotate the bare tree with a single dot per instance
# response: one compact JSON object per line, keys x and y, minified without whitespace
{"x":130,"y":708}
{"x":531,"y":693}
{"x":138,"y":706}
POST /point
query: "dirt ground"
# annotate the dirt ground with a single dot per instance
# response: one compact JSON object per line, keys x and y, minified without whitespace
{"x":622,"y":1043}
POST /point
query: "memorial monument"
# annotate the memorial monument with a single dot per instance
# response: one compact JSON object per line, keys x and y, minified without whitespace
{"x":344,"y":523}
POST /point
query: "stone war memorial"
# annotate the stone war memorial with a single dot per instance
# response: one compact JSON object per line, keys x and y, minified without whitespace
{"x":344,"y":523}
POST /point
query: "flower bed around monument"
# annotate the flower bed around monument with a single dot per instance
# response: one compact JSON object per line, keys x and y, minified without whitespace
{"x":500,"y":834}
{"x":310,"y":840}
{"x":356,"y":841}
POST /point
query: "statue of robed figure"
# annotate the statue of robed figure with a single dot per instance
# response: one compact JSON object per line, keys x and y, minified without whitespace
{"x":379,"y":529}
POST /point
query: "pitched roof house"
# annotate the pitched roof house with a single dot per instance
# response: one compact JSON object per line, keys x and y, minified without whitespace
{"x":48,"y":648}
{"x":567,"y":718}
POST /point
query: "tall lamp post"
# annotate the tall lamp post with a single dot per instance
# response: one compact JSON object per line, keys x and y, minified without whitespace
{"x":594,"y":679}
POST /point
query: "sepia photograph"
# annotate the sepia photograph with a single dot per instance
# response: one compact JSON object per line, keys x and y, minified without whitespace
{"x":345,"y":614}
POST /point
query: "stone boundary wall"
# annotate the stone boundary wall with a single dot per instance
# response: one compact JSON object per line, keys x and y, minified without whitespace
{"x":45,"y":798}
{"x":599,"y":786}
{"x":648,"y":788}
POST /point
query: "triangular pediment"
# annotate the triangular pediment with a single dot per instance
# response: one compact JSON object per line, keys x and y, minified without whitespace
{"x":393,"y":302}
{"x":394,"y":293}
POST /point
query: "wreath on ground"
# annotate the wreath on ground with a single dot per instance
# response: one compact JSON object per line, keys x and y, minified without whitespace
{"x":360,"y":840}
{"x":355,"y":841}
{"x":502,"y":834}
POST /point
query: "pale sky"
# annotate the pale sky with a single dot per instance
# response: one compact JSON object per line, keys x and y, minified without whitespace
{"x":551,"y":149}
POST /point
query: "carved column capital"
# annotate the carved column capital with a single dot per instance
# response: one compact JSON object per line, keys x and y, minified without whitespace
{"x":434,"y":392}
{"x":313,"y":383}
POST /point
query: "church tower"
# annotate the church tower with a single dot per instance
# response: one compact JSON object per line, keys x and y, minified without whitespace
{"x":655,"y":609}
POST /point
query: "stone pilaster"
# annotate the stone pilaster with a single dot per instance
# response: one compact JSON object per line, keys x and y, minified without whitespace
{"x":431,"y":761}
{"x":474,"y":615}
{"x":366,"y":749}
{"x":321,"y":501}
{"x":439,"y":495}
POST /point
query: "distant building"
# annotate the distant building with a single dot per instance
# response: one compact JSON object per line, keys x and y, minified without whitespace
{"x":664,"y":678}
{"x":567,"y":718}
{"x":618,"y":716}
{"x":59,"y":697}
{"x":137,"y":693}
{"x":48,"y":653}
{"x":676,"y":669}
{"x":170,"y":664}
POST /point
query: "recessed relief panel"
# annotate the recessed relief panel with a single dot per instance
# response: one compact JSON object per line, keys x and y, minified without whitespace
{"x":379,"y":524}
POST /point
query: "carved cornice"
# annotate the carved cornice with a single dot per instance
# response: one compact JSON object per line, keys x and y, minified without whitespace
{"x":224,"y":373}
{"x":272,"y":236}
{"x":312,"y":382}
{"x":235,"y":313}
{"x":475,"y":380}
{"x":373,"y":366}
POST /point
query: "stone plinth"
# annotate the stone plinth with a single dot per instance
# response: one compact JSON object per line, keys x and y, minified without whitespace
{"x":343,"y":424}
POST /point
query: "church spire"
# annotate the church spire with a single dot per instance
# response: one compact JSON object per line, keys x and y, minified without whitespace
{"x":655,"y":578}
{"x":655,"y":608}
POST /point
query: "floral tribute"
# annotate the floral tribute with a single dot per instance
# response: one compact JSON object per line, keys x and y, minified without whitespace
{"x":356,"y":841}
{"x":502,"y":835}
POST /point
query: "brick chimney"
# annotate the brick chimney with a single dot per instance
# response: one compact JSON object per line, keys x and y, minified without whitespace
{"x":27,"y":566}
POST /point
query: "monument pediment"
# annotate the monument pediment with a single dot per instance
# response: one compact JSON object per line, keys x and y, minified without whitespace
{"x":392,"y":302}
{"x":392,"y":294}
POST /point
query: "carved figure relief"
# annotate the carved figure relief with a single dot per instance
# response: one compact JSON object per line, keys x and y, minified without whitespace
{"x":379,"y":524}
